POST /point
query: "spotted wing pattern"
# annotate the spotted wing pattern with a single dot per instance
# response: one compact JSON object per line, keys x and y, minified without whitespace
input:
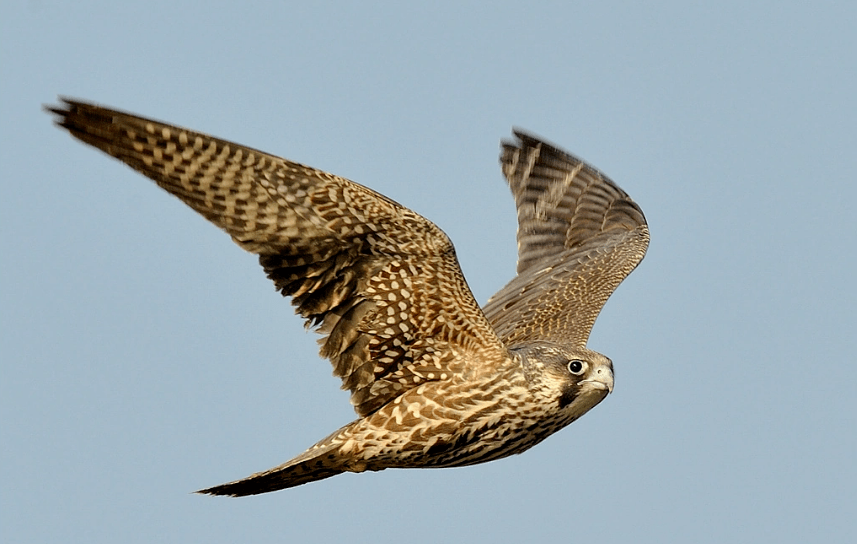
{"x":579,"y":236}
{"x":382,"y":283}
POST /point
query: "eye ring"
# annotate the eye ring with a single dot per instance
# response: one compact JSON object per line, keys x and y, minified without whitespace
{"x":576,"y":367}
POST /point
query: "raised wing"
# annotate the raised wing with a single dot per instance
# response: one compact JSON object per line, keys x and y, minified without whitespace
{"x":579,"y":236}
{"x":382,"y":282}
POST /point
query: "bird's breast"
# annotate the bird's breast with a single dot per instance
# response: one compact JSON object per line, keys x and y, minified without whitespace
{"x":444,"y":424}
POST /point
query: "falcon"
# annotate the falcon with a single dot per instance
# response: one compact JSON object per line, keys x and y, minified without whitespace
{"x":436,"y":381}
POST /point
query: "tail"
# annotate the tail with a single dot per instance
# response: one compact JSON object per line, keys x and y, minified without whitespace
{"x":317,"y":463}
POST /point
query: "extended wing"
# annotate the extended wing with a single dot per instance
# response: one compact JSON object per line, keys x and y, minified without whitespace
{"x":382,"y":282}
{"x":579,"y":236}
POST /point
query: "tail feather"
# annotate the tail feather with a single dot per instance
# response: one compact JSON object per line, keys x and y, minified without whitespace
{"x":317,"y":463}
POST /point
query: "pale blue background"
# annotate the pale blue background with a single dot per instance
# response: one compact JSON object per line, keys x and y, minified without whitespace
{"x":145,"y":356}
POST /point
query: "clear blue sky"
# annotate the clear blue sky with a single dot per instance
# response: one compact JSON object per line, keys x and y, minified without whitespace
{"x":144,"y":355}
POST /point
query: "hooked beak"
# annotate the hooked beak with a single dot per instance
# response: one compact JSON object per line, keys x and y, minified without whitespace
{"x":602,"y":379}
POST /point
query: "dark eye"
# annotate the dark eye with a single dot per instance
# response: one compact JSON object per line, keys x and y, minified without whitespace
{"x":576,"y":367}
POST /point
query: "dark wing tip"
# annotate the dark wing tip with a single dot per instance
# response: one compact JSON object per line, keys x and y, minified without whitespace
{"x":61,"y":110}
{"x":82,"y":119}
{"x":525,"y":139}
{"x":67,"y":106}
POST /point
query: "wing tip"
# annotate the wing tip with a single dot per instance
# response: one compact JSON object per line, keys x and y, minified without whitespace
{"x":524,"y":140}
{"x":67,"y":105}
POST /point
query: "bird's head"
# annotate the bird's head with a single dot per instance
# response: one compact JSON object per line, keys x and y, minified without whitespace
{"x":576,"y":378}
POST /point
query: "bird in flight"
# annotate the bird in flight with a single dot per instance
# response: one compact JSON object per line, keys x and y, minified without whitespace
{"x":436,"y":381}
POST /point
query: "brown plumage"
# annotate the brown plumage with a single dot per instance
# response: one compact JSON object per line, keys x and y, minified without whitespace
{"x":435,"y":380}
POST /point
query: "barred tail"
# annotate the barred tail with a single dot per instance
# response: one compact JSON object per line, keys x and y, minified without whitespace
{"x":316,"y":463}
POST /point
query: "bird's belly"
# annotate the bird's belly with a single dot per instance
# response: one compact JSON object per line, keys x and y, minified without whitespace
{"x":433,"y":435}
{"x":502,"y":439}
